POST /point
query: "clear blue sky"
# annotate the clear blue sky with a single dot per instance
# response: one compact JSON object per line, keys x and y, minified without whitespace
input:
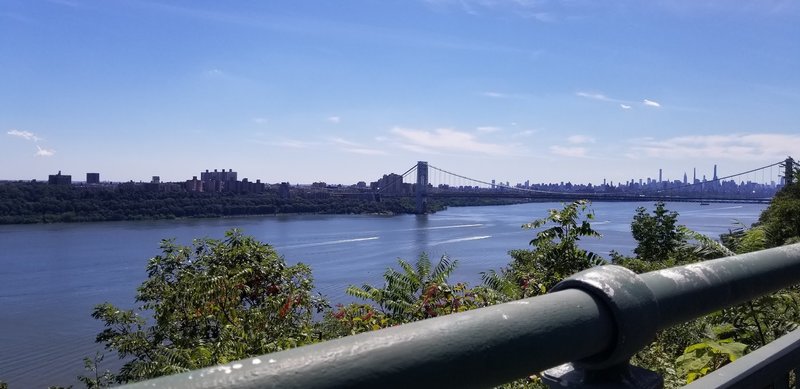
{"x":342,"y":91}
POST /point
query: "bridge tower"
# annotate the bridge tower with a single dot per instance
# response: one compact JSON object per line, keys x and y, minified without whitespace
{"x":422,"y":188}
{"x":788,"y":174}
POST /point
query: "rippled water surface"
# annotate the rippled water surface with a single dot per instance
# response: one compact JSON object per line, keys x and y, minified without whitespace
{"x":52,"y":275}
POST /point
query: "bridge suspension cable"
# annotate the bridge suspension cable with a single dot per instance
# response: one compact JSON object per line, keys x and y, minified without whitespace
{"x":719,"y":178}
{"x":396,"y":180}
{"x":443,"y":179}
{"x":493,"y":184}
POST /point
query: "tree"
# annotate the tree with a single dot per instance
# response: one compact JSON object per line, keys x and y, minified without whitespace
{"x":555,"y":254}
{"x":96,"y":379}
{"x":741,"y":239}
{"x":210,"y":303}
{"x":781,"y":220}
{"x":658,"y":234}
{"x":716,"y":350}
{"x":419,"y":291}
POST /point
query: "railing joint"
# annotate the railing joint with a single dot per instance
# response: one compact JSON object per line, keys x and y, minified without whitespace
{"x":625,"y":375}
{"x":632,"y":306}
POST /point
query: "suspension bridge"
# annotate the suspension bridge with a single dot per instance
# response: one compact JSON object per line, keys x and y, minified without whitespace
{"x":431,"y":182}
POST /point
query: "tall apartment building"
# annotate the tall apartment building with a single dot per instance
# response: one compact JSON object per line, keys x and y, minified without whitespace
{"x":194,"y":185}
{"x":391,"y":184}
{"x":92,"y":178}
{"x":222,"y":176}
{"x":223,"y":181}
{"x":59,"y":179}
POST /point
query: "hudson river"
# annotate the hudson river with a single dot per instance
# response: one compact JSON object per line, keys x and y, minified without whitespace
{"x":52,"y":275}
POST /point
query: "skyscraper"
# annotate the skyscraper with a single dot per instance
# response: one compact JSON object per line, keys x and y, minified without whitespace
{"x":715,"y":172}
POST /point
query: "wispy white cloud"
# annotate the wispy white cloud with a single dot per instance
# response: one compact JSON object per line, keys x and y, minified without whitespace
{"x":355,"y":147}
{"x":580,"y":139}
{"x":65,"y":3}
{"x":488,"y":129}
{"x":260,"y":120}
{"x":721,"y":7}
{"x":544,"y":17}
{"x":602,"y":97}
{"x":468,"y":8}
{"x":447,"y":140}
{"x":24,"y":135}
{"x":573,"y":152}
{"x":551,"y":11}
{"x":505,"y":95}
{"x":340,"y":144}
{"x":334,"y":119}
{"x":765,"y":146}
{"x":41,"y":152}
{"x":344,"y":142}
{"x":527,"y":9}
{"x":288,"y":143}
{"x":524,"y":133}
{"x":595,"y":96}
{"x":496,"y":95}
{"x":624,"y":104}
{"x":328,"y":28}
{"x":651,"y":103}
{"x":213,"y":73}
{"x":27,"y":135}
{"x":217,"y":75}
{"x":364,"y":151}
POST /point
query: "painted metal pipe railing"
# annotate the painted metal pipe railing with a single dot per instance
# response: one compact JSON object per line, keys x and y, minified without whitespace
{"x":596,"y":320}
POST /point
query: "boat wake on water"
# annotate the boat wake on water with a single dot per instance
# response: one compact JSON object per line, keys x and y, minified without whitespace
{"x":445,"y":227}
{"x":461,"y":240}
{"x":341,"y":241}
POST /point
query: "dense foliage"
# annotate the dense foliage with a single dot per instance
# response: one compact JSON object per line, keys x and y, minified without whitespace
{"x":36,"y":202}
{"x":42,"y":203}
{"x":657,"y":234}
{"x":419,"y":291}
{"x":211,"y":303}
{"x":781,"y":221}
{"x":555,"y":254}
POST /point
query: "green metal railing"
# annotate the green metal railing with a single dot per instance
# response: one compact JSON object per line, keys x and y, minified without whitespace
{"x":590,"y":325}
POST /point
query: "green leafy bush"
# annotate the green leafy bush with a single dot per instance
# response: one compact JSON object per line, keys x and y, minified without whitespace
{"x":210,"y":303}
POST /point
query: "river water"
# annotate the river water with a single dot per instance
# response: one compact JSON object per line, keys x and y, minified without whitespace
{"x":52,"y":275}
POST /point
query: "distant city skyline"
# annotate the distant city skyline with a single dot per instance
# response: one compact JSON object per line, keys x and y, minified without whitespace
{"x":540,"y":91}
{"x":221,"y":175}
